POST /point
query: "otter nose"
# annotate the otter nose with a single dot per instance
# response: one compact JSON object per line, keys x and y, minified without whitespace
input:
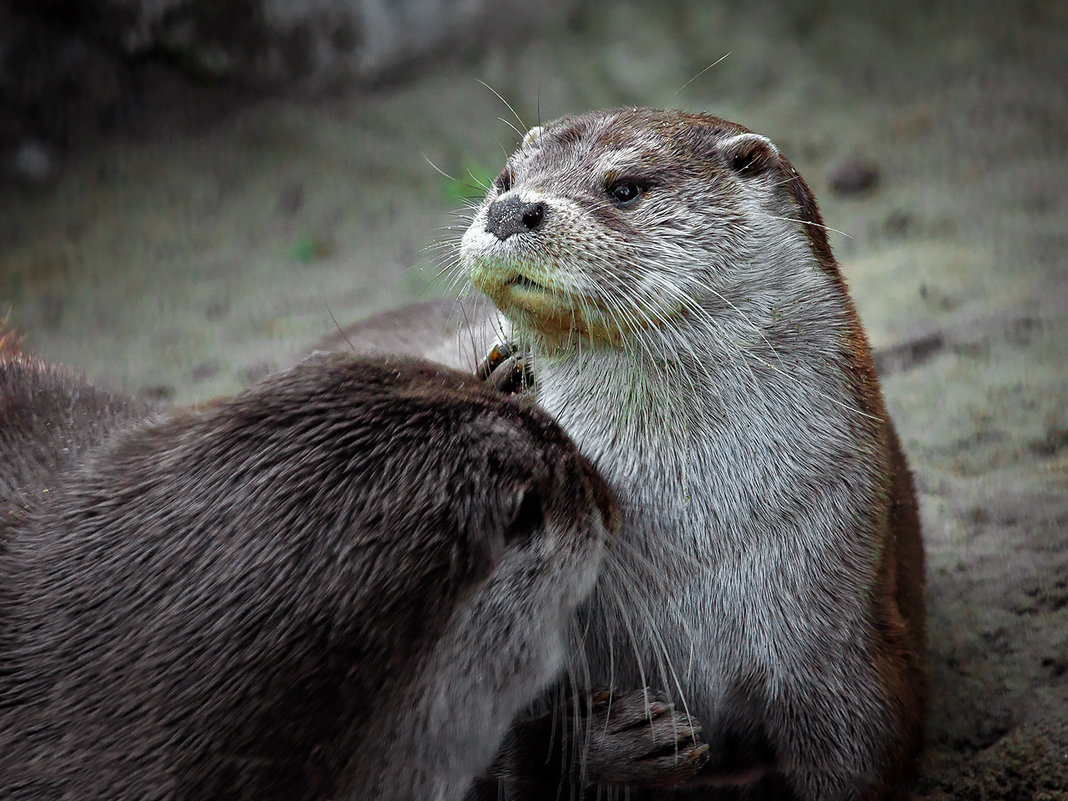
{"x":513,"y":216}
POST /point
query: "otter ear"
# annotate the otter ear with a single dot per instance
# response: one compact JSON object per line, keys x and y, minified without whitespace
{"x":748,"y":154}
{"x":532,"y":136}
{"x":525,"y":513}
{"x":507,"y":516}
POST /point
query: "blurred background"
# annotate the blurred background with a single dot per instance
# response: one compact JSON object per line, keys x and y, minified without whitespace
{"x":192,"y":192}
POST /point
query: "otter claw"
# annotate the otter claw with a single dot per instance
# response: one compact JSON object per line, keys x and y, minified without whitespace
{"x":498,"y":354}
{"x":633,"y":740}
{"x":601,"y":697}
{"x":506,"y":369}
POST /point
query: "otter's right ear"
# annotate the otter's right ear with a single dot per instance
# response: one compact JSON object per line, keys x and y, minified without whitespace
{"x":532,"y":136}
{"x":748,"y":154}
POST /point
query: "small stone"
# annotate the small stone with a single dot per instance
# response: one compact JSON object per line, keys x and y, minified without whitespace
{"x":217,"y":309}
{"x":854,"y":176}
{"x":291,"y":198}
{"x":204,"y":371}
{"x":156,"y":392}
{"x":33,"y":161}
{"x":899,"y":223}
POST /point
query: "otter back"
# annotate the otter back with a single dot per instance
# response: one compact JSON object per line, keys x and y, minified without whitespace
{"x":340,"y":584}
{"x":48,"y":418}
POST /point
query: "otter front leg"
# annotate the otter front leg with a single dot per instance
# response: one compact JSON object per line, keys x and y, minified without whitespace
{"x":634,"y":739}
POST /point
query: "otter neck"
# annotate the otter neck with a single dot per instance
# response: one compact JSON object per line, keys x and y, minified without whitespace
{"x":723,"y":423}
{"x":706,"y":454}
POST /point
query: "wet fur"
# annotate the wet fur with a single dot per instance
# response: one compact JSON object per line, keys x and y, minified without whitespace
{"x":702,"y":350}
{"x":49,"y":417}
{"x":340,"y":584}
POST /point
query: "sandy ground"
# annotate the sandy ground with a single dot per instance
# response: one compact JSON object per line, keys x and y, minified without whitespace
{"x":191,"y":259}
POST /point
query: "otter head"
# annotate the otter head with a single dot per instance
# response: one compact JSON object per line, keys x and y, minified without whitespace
{"x":344,"y":582}
{"x":608,"y":225}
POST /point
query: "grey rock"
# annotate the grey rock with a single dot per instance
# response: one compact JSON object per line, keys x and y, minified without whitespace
{"x":854,"y":176}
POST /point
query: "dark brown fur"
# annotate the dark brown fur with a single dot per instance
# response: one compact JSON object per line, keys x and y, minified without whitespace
{"x":446,"y":331}
{"x":236,"y":603}
{"x":49,"y":416}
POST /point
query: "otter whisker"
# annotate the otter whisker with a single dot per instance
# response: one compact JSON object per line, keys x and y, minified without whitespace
{"x":702,"y":72}
{"x":660,"y":651}
{"x":507,"y":105}
{"x":340,"y":330}
{"x":436,"y":168}
{"x":810,"y":222}
{"x":518,"y":132}
{"x":483,"y":186}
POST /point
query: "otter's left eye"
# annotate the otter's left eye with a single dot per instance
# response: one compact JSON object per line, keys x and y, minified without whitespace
{"x":625,"y":193}
{"x":504,"y":181}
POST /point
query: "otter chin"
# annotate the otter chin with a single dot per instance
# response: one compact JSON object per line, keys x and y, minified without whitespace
{"x":688,"y":325}
{"x":559,"y":318}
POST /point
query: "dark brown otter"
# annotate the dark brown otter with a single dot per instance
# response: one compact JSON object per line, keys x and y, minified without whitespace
{"x":342,"y":583}
{"x":49,"y":416}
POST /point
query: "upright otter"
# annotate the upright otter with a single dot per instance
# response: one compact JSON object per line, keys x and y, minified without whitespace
{"x":341,"y":584}
{"x":690,"y":329}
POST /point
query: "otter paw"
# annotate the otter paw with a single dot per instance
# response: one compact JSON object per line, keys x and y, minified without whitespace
{"x":637,"y":738}
{"x":507,"y":369}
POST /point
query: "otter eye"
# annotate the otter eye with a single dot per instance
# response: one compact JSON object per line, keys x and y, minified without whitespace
{"x":504,"y":181}
{"x":625,"y":192}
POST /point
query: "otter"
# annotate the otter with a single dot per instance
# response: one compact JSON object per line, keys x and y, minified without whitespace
{"x":49,"y":417}
{"x":687,"y":324}
{"x":441,"y":330}
{"x":343,"y":583}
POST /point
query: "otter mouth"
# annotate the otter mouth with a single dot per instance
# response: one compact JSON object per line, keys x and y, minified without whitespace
{"x":556,"y":313}
{"x":522,"y":282}
{"x":552,"y":310}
